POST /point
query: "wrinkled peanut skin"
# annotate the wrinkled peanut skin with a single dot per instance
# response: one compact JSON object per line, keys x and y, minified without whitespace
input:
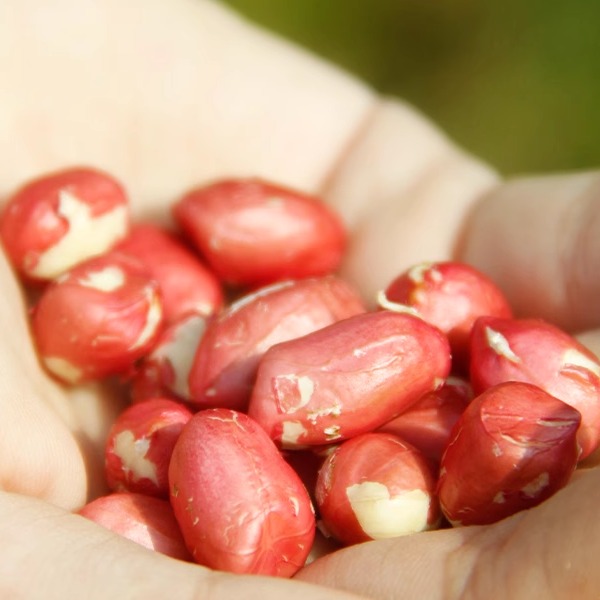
{"x":240,"y":506}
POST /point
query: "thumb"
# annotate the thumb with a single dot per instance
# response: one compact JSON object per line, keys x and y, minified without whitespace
{"x":546,"y":552}
{"x":73,"y":557}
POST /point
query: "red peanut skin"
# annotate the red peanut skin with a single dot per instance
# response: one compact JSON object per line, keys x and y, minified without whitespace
{"x":240,"y":506}
{"x":31,"y":223}
{"x":380,"y":458}
{"x":253,"y":232}
{"x":451,"y":296}
{"x":348,"y":378}
{"x":227,"y":358}
{"x":544,"y":355}
{"x":146,"y":384}
{"x":149,"y":431}
{"x":145,"y":520}
{"x":427,"y":425}
{"x":186,"y":284}
{"x":514,"y":446}
{"x":98,"y":332}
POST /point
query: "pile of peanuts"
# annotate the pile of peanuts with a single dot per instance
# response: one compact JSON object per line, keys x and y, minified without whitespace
{"x":274,"y":411}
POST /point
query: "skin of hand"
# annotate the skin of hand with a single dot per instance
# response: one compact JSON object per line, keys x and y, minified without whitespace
{"x":169,"y":94}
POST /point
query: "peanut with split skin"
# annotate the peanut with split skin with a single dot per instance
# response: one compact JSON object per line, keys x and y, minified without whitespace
{"x":513,"y":447}
{"x":60,"y":219}
{"x":139,"y":446}
{"x":450,"y":295}
{"x":165,"y":370}
{"x":538,"y":352}
{"x":97,"y":319}
{"x":347,"y":378}
{"x":376,"y":486}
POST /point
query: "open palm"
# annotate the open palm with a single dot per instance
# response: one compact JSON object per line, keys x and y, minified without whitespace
{"x":166,"y":95}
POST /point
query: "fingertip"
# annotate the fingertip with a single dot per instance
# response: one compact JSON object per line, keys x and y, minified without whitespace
{"x":539,"y":239}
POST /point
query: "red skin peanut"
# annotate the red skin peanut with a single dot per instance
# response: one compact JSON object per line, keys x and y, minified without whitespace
{"x":427,"y":425}
{"x":145,"y":384}
{"x":240,"y":506}
{"x":514,"y":446}
{"x":166,"y":369}
{"x":145,"y":520}
{"x":253,"y":232}
{"x":227,"y":358}
{"x":534,"y":351}
{"x":97,"y":319}
{"x":139,"y":446}
{"x":348,"y":378}
{"x":449,"y":295}
{"x":61,"y":219}
{"x":376,"y":486}
{"x":186,"y":284}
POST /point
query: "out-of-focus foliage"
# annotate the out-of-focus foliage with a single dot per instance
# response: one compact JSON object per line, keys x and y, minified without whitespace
{"x":514,"y":81}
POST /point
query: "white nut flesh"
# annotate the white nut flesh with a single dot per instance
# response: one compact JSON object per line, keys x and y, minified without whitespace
{"x":87,"y":235}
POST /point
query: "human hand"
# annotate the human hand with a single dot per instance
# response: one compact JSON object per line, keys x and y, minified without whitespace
{"x":165,"y":95}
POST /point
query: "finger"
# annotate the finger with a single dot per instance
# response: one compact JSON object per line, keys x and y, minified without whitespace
{"x":39,"y":455}
{"x":410,"y":568}
{"x":525,"y":556}
{"x":404,"y":190}
{"x":48,"y":553}
{"x":51,"y":437}
{"x":539,"y":238}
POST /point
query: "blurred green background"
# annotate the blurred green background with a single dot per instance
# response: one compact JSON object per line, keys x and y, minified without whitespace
{"x":515,"y":81}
